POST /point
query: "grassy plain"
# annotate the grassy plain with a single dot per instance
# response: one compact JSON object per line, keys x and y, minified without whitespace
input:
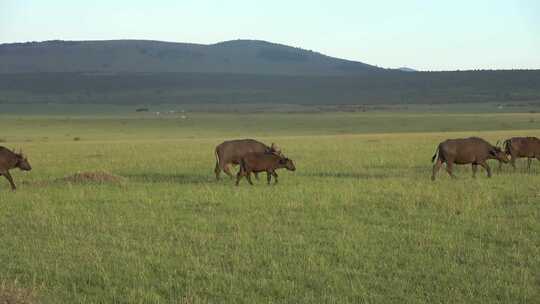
{"x":358,"y":222}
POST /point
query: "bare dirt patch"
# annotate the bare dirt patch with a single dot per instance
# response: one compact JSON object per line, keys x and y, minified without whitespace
{"x":99,"y":177}
{"x":96,"y":177}
{"x":12,"y":294}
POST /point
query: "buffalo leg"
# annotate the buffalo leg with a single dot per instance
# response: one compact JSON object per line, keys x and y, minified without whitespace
{"x":248,"y":176}
{"x":513,"y":161}
{"x":239,"y":177}
{"x":268,"y":177}
{"x":474,"y":169}
{"x":217,"y":170}
{"x":529,"y":161}
{"x":488,"y":169}
{"x":436,"y":168}
{"x":275,"y":177}
{"x":449,"y":167}
{"x":10,"y":180}
{"x":256,"y":175}
{"x":227,"y":170}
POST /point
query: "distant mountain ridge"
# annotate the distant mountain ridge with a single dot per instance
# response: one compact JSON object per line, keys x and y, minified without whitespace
{"x":148,"y":56}
{"x":407,"y":69}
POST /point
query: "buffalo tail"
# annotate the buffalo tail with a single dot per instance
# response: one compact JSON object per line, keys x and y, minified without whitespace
{"x":435,"y":155}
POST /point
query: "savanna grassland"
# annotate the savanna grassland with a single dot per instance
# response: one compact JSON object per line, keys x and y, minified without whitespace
{"x":358,"y":222}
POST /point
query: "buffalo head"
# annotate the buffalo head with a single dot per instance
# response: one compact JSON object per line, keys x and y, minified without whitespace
{"x":287,"y":163}
{"x":498,"y":154}
{"x":275,"y":149}
{"x":22,"y":162}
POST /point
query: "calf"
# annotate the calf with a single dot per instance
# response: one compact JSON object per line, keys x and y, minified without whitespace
{"x":263,"y":162}
{"x":10,"y":160}
{"x":521,"y":147}
{"x":473,"y":150}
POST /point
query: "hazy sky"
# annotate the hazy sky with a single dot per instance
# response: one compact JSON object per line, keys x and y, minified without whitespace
{"x":426,"y":35}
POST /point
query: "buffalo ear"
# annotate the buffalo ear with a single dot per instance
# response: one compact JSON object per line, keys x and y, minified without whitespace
{"x":493,"y":152}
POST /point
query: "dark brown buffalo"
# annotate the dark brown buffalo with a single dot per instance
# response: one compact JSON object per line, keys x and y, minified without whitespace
{"x":231,"y":152}
{"x":521,"y":147}
{"x":263,"y":162}
{"x":10,"y":160}
{"x":473,"y":150}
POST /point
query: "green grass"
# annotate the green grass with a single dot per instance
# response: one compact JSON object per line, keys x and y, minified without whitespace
{"x":359,"y":221}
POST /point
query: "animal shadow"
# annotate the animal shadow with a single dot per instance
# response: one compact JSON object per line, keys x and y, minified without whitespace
{"x":348,"y":175}
{"x":179,"y":178}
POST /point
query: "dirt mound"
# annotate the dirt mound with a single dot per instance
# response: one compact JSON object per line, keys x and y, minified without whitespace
{"x":93,"y":177}
{"x":13,"y":294}
{"x":98,"y":177}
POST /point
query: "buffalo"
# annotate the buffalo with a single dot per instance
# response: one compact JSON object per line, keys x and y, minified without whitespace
{"x":231,"y":152}
{"x":475,"y":151}
{"x":521,"y":147}
{"x":10,"y":160}
{"x":263,"y":162}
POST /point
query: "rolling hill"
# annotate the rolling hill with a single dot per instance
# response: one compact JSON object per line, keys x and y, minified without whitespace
{"x":141,"y":56}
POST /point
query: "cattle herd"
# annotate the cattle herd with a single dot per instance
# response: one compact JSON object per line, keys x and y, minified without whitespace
{"x":255,"y":157}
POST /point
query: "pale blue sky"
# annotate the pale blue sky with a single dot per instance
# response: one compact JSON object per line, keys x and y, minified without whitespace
{"x":426,"y":35}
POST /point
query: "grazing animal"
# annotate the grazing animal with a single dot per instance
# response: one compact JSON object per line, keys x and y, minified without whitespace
{"x":521,"y":147}
{"x":475,"y":151}
{"x":263,"y":162}
{"x":231,"y":152}
{"x":10,"y":160}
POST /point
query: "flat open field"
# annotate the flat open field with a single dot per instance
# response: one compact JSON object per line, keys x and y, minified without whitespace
{"x":358,"y":222}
